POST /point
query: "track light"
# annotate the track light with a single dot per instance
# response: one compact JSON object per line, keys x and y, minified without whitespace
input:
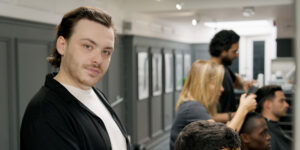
{"x":178,"y":6}
{"x":194,"y":22}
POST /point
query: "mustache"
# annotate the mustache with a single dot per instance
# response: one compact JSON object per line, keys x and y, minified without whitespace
{"x":94,"y":65}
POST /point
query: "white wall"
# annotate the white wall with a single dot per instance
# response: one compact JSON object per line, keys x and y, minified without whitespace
{"x":246,"y":54}
{"x":51,"y":11}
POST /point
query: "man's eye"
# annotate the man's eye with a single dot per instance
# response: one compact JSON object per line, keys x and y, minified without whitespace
{"x":107,"y":52}
{"x":89,"y":47}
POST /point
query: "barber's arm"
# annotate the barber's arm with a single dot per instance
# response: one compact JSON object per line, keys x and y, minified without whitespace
{"x":247,"y":104}
{"x":241,"y":84}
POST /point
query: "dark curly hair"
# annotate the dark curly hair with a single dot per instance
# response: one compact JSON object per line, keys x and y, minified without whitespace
{"x":68,"y":22}
{"x":266,"y":92}
{"x":206,"y":135}
{"x":222,"y":41}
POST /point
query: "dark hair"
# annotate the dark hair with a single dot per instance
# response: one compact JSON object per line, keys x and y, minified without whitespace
{"x":207,"y":135}
{"x":266,"y":92}
{"x":248,"y":122}
{"x":222,"y":41}
{"x":68,"y":22}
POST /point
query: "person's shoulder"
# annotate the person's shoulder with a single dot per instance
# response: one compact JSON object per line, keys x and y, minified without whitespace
{"x":192,"y":105}
{"x":193,"y":110}
{"x":43,"y":102}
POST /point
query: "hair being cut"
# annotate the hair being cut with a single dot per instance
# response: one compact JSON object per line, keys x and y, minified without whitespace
{"x":222,"y":41}
{"x":266,"y":92}
{"x":69,"y":21}
{"x":202,"y":74}
{"x":206,"y":135}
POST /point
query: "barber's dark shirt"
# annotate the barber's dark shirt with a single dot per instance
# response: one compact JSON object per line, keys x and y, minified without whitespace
{"x":279,"y":139}
{"x":56,"y":120}
{"x":227,"y":101}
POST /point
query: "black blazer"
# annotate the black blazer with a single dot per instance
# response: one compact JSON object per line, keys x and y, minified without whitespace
{"x":55,"y":119}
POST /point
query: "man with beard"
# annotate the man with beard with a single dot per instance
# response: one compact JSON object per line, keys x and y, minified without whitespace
{"x":254,"y":133}
{"x":272,"y":105}
{"x":223,"y":49}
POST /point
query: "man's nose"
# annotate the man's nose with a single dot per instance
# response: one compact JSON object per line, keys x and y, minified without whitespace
{"x":287,"y":104}
{"x":97,"y":57}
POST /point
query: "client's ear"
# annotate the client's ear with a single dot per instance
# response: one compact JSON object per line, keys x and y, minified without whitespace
{"x":245,"y":138}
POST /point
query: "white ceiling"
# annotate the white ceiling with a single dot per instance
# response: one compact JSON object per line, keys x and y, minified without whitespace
{"x":281,"y":11}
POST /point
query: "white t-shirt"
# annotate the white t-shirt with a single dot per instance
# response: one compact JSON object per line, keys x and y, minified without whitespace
{"x":92,"y":101}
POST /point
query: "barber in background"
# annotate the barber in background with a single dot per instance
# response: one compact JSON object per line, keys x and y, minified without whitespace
{"x":223,"y":49}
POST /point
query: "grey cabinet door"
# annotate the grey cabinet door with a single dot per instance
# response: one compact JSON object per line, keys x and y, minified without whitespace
{"x":24,"y":47}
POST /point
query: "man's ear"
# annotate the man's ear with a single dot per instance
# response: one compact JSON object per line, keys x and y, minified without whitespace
{"x":245,"y":138}
{"x":267,"y":104}
{"x":223,"y":53}
{"x":61,"y":44}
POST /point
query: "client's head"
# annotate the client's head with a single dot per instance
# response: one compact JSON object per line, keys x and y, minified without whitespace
{"x":207,"y":135}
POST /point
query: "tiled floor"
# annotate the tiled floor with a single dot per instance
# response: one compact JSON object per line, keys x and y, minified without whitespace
{"x":162,"y":146}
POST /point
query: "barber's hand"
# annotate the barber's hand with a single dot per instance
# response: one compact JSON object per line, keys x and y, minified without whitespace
{"x":248,"y":103}
{"x":246,"y":85}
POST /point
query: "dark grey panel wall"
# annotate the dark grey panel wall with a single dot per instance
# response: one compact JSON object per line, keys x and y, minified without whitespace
{"x":149,"y":119}
{"x":32,"y":69}
{"x":200,"y":51}
{"x":168,"y":96}
{"x":24,"y":47}
{"x":156,"y":100}
{"x":116,"y":80}
{"x":4,"y":102}
{"x":143,"y":122}
{"x":168,"y":110}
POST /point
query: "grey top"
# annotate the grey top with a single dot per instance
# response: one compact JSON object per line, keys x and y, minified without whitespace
{"x":188,"y":112}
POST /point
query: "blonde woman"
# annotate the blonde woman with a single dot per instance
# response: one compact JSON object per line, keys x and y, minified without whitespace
{"x":199,"y":98}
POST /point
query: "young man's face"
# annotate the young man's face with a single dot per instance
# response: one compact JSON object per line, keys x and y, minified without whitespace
{"x":229,"y":56}
{"x":258,"y":138}
{"x":279,"y":105}
{"x":86,"y":55}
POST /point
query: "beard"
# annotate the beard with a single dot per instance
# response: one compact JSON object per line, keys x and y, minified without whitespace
{"x":226,"y":61}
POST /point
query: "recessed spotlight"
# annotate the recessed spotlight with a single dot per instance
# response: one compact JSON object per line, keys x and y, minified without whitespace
{"x":248,"y":11}
{"x":194,"y":22}
{"x":178,"y":6}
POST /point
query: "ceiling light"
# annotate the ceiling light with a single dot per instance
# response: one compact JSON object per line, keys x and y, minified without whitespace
{"x":178,"y":6}
{"x":194,"y":22}
{"x":248,"y":11}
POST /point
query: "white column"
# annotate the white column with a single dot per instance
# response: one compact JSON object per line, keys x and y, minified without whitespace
{"x":297,"y":97}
